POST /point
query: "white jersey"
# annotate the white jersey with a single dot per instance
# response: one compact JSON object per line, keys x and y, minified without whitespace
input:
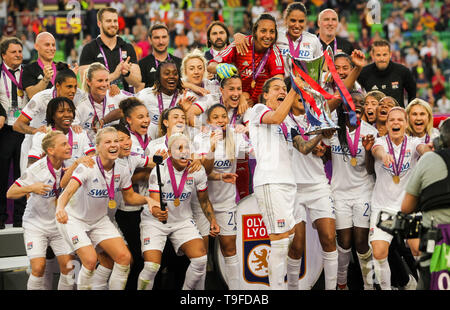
{"x":90,"y":203}
{"x":387,"y":194}
{"x":36,"y":108}
{"x":310,"y":48}
{"x":150,"y":99}
{"x":273,"y":162}
{"x":307,"y":169}
{"x":350,"y":182}
{"x":434,"y":134}
{"x":86,"y":113}
{"x":81,"y":146}
{"x":40,"y":209}
{"x":196,"y":181}
{"x":130,"y":162}
{"x":222,"y":194}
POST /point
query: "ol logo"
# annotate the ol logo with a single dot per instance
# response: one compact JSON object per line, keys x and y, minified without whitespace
{"x":258,"y":260}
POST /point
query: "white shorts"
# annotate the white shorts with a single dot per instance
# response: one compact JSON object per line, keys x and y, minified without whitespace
{"x":319,"y":204}
{"x":80,"y":234}
{"x":376,"y":233}
{"x":299,"y":209}
{"x":352,"y":212}
{"x":36,"y":243}
{"x":225,"y":219}
{"x":154,"y":234}
{"x":276,"y":204}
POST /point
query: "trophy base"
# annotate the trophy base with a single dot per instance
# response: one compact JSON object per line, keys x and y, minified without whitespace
{"x":315,"y":130}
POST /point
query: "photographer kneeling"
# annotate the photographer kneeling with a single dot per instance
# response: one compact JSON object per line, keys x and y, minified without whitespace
{"x":428,"y":191}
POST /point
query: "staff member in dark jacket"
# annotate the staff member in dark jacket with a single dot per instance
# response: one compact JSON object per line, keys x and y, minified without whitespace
{"x":12,"y":99}
{"x":387,"y":76}
{"x":109,"y":49}
{"x":158,"y":36}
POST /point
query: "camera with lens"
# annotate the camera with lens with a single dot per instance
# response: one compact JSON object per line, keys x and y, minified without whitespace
{"x":404,"y":225}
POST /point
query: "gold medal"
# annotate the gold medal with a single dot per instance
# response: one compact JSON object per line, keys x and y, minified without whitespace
{"x":396,"y":179}
{"x":176,"y":202}
{"x":353,"y":161}
{"x":253,"y":84}
{"x":112,"y":204}
{"x":19,"y":92}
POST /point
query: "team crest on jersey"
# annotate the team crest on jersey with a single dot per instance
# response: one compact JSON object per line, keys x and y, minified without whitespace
{"x":29,"y":245}
{"x":111,"y":106}
{"x":147,"y":241}
{"x":116,"y":177}
{"x":75,"y":240}
{"x":395,"y":85}
{"x":189,"y":181}
{"x":75,"y":145}
{"x":256,"y":250}
{"x":281,"y":223}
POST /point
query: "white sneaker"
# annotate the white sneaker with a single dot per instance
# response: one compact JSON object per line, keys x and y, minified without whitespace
{"x":412,"y":284}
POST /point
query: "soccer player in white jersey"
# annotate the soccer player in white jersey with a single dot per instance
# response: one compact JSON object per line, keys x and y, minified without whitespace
{"x":125,"y":219}
{"x":352,"y":188}
{"x":32,"y":117}
{"x":274,"y":182}
{"x":59,"y":116}
{"x":294,"y":40}
{"x":420,"y":121}
{"x":220,"y":147}
{"x":396,"y":155}
{"x":176,"y":221}
{"x":203,"y":92}
{"x":85,"y":223}
{"x":42,"y":181}
{"x":100,"y":108}
{"x":166,"y":93}
{"x":312,"y":192}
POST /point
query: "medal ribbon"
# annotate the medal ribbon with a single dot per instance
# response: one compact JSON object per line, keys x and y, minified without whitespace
{"x":157,"y":62}
{"x":261,"y":64}
{"x":172,"y":103}
{"x":143,"y":142}
{"x":52,"y":171}
{"x":177,"y":191}
{"x":353,"y":145}
{"x":294,"y":51}
{"x":93,"y":106}
{"x":300,"y":128}
{"x":397,"y":166}
{"x":110,"y":188}
{"x":104,"y":56}
{"x":6,"y":72}
{"x":41,"y":64}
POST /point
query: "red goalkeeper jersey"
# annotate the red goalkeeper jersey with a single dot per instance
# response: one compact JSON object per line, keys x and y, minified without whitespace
{"x":243,"y":63}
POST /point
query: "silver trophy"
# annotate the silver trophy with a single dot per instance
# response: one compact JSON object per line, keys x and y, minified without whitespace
{"x":314,"y":69}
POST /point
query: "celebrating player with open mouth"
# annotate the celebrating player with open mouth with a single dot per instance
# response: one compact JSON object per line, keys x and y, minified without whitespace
{"x":85,"y":223}
{"x":176,"y":221}
{"x":396,"y":155}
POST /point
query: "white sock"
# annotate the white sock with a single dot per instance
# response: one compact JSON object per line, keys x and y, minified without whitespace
{"x":278,"y":263}
{"x":119,"y":277}
{"x":84,"y":281}
{"x":293,"y":272}
{"x":48,"y":273}
{"x":330,"y":266}
{"x":196,"y":273}
{"x":366,"y":264}
{"x":66,"y":281}
{"x":100,"y":278}
{"x":383,"y":273}
{"x":35,"y":283}
{"x":147,"y":276}
{"x":344,"y":256}
{"x":232,"y":272}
